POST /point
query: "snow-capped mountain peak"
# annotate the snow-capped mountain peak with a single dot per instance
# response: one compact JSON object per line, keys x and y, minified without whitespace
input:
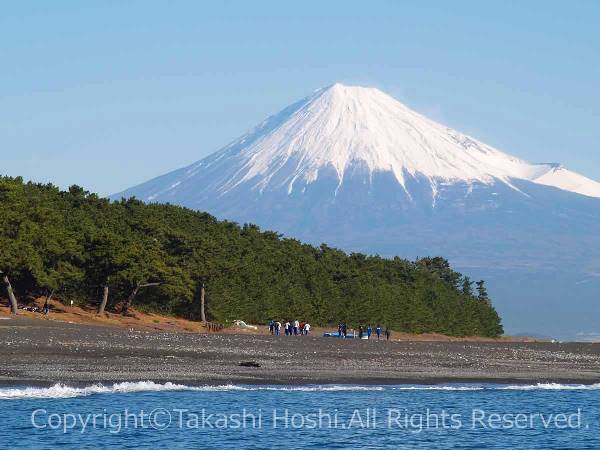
{"x":341,"y":128}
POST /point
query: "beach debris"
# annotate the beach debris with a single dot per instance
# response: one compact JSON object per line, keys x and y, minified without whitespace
{"x":249,"y":364}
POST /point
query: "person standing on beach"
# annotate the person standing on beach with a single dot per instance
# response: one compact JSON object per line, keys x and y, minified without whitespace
{"x":296,"y":326}
{"x":344,"y":329}
{"x":388,"y":333}
{"x":369,"y":331}
{"x":287,"y":327}
{"x":340,"y":329}
{"x":360,"y":331}
{"x":271,"y":326}
{"x":306,"y":328}
{"x":378,"y":331}
{"x":277,"y":328}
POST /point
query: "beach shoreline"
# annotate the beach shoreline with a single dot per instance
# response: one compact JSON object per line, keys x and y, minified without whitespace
{"x":45,"y":352}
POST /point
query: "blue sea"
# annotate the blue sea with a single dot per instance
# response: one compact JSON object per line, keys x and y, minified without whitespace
{"x":151,"y":415}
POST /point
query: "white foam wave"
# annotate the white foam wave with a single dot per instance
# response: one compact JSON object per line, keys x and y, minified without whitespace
{"x":60,"y":390}
{"x":498,"y":387}
{"x":439,"y":388}
{"x":324,"y":388}
{"x":553,"y":387}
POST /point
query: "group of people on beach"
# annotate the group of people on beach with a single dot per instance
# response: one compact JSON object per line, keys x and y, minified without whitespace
{"x":364,"y":332}
{"x":290,"y":327}
{"x":302,"y":328}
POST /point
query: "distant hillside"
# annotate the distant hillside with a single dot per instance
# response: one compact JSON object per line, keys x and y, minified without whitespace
{"x":74,"y":245}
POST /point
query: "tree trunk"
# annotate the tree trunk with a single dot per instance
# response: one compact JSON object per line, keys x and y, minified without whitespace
{"x":11,"y":295}
{"x":104,"y":300}
{"x":202,"y":313}
{"x":129,"y":300}
{"x":48,"y":297}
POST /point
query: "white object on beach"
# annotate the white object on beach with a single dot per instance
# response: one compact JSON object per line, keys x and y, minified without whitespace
{"x":242,"y":324}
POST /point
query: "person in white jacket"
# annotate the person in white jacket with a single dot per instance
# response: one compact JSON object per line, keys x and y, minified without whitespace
{"x":306,"y":328}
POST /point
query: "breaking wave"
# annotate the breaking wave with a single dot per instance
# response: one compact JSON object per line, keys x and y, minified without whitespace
{"x":60,"y":390}
{"x":439,"y":388}
{"x":554,"y":387}
{"x":499,"y":387}
{"x":64,"y":391}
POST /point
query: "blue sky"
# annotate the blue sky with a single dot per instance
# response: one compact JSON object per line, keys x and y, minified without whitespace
{"x":108,"y":94}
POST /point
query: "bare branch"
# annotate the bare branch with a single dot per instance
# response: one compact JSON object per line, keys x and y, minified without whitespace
{"x":149,"y":284}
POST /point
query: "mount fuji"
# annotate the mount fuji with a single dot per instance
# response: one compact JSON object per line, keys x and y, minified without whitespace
{"x":355,"y":168}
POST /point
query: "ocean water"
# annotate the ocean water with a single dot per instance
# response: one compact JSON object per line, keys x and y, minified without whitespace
{"x":150,"y":415}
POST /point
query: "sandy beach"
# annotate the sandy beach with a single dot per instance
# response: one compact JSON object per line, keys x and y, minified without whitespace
{"x":42,"y":352}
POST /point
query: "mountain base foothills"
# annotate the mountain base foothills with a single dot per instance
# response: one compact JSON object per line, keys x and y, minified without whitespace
{"x":73,"y":244}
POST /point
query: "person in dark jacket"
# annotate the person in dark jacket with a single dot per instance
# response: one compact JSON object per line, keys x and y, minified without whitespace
{"x":271,"y":326}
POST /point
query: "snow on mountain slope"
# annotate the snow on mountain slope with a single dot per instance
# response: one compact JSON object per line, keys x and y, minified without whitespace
{"x":566,"y":180}
{"x":340,"y":127}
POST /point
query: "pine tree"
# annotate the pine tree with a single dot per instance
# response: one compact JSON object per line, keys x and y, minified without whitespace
{"x":482,"y":294}
{"x":467,"y":286}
